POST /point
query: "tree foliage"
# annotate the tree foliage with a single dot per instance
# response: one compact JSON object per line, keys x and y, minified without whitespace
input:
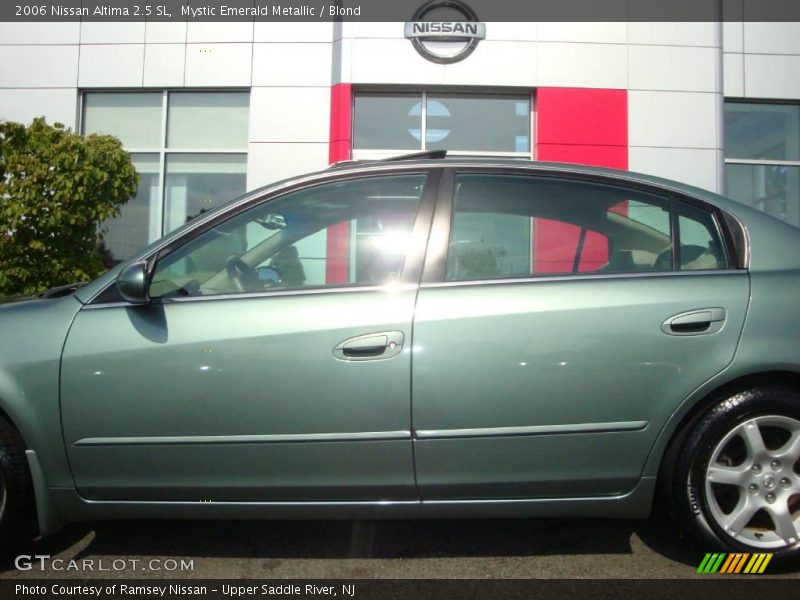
{"x":55,"y":188}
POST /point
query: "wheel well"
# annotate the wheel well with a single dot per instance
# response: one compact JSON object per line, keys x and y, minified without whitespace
{"x":786,"y":379}
{"x":771,"y":379}
{"x":4,"y":415}
{"x":33,"y":512}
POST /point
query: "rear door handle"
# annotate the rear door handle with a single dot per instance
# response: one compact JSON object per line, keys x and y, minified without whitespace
{"x":372,"y":346}
{"x":701,"y":321}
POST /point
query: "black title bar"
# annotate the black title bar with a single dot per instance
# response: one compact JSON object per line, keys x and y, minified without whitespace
{"x":397,"y":10}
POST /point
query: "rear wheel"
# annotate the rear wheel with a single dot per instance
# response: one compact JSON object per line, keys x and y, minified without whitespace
{"x":16,"y":512}
{"x":737,"y":478}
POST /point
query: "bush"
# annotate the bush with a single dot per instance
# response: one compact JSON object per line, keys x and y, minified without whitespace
{"x":55,"y":188}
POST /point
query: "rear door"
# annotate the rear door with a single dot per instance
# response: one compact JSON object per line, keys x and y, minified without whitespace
{"x":559,"y":324}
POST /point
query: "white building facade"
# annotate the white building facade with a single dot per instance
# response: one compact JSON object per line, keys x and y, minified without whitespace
{"x":210,"y":110}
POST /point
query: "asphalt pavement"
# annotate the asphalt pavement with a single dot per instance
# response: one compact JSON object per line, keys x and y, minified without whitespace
{"x":532,"y":548}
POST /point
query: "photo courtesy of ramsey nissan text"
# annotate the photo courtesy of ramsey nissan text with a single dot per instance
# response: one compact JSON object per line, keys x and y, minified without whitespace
{"x":369,"y":299}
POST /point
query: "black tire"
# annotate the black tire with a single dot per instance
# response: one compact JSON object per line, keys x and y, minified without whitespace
{"x":700,"y":502}
{"x":16,"y":509}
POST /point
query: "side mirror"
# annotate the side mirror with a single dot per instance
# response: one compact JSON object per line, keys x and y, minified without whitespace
{"x":132,"y":283}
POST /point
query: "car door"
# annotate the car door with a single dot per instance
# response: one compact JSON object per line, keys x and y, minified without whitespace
{"x":272,"y":362}
{"x":560,"y":322}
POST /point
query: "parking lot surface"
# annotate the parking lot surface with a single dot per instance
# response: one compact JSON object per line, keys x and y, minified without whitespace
{"x":564,"y":548}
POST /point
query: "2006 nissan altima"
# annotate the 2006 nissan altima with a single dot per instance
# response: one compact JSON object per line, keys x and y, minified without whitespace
{"x":423,"y":338}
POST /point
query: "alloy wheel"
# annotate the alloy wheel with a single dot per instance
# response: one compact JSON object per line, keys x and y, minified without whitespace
{"x":752,"y":485}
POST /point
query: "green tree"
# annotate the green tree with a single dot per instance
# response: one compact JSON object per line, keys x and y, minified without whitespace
{"x":55,"y":188}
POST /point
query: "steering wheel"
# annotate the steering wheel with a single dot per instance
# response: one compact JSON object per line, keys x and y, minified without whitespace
{"x":243,"y":277}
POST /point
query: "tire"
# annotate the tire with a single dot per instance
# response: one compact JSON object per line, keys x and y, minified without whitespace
{"x":16,"y":510}
{"x":735,"y":482}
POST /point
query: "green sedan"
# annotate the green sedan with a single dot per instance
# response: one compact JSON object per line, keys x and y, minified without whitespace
{"x":423,"y":337}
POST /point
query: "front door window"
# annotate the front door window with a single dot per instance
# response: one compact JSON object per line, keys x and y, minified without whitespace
{"x":353,"y":232}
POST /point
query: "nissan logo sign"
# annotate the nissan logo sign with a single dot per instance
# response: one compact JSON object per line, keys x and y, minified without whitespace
{"x":445,"y":41}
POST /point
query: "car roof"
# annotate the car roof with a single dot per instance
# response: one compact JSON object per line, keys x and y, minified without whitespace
{"x":410,"y":161}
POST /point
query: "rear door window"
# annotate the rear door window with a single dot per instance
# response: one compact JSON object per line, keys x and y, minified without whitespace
{"x":701,"y":246}
{"x":507,"y":226}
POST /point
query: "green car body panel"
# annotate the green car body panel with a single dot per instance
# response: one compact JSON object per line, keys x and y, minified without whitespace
{"x":246,"y":394}
{"x":542,"y":396}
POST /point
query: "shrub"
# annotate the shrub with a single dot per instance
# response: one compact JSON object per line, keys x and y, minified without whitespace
{"x":55,"y":188}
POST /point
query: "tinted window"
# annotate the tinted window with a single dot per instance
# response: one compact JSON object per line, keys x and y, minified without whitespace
{"x":762,"y":150}
{"x":773,"y":188}
{"x":762,"y":131}
{"x":343,"y":233}
{"x":429,"y":121}
{"x":701,"y":245}
{"x":387,"y":121}
{"x":454,"y":123}
{"x":517,"y":226}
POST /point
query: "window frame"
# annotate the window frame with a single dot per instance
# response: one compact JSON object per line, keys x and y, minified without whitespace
{"x":412,"y":267}
{"x":163,"y":150}
{"x":760,"y":162}
{"x":373,"y":153}
{"x":434,"y":274}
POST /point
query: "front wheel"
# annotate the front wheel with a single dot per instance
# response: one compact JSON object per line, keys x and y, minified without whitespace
{"x":15,"y":492}
{"x":737,"y":479}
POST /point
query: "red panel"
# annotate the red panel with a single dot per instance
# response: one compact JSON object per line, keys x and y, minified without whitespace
{"x":338,"y":151}
{"x":337,"y":265}
{"x":341,"y":126}
{"x":555,"y":246}
{"x":582,"y":116}
{"x":595,"y":252}
{"x":580,"y":126}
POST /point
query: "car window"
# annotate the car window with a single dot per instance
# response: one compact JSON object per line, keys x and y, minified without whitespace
{"x":518,"y":226}
{"x":353,"y":232}
{"x":701,"y":244}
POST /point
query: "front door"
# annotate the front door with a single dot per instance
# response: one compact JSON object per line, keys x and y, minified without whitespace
{"x":566,"y":324}
{"x":272,"y":364}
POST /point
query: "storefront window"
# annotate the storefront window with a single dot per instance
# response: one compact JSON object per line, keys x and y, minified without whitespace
{"x":197,"y":120}
{"x":390,"y":123}
{"x":137,"y":222}
{"x":454,"y":122}
{"x":196,"y":183}
{"x":189,"y":149}
{"x":762,"y":157}
{"x":134,"y":118}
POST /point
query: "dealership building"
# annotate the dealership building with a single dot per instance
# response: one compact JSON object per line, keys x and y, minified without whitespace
{"x":209,"y":110}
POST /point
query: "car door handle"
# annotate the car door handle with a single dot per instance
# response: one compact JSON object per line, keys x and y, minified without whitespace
{"x":695,"y":322}
{"x":372,"y":346}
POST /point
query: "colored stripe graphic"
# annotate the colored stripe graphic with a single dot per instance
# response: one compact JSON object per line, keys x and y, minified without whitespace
{"x":740,"y":563}
{"x":704,"y":563}
{"x":758,"y":563}
{"x":724,"y":563}
{"x":711,"y":563}
{"x":734,"y":563}
{"x":767,"y":558}
{"x":727,"y":564}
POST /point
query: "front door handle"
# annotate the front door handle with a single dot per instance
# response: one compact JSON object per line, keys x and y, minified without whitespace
{"x":372,"y":346}
{"x":701,"y":321}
